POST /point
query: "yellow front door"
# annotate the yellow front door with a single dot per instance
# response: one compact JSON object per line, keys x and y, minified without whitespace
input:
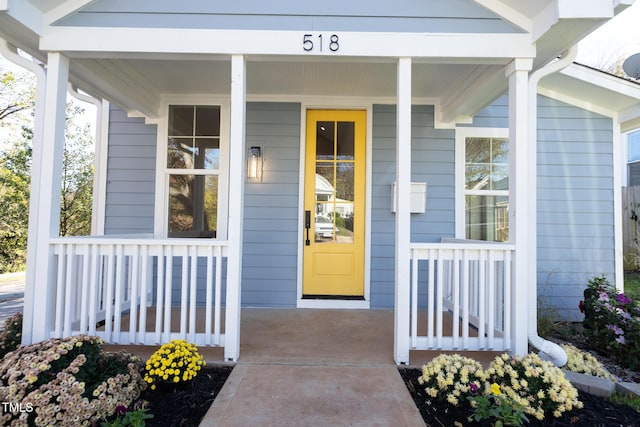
{"x":334,"y":203}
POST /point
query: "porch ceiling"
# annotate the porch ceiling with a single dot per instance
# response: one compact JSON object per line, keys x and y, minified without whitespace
{"x":148,"y":79}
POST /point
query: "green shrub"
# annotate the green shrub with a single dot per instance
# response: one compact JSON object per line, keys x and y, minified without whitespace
{"x":67,"y":381}
{"x":11,"y":334}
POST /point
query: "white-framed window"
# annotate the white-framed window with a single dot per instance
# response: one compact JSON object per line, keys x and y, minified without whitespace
{"x":482,"y":184}
{"x":192,"y":170}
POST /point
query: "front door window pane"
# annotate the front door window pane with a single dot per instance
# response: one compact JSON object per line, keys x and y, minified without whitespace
{"x":345,"y":145}
{"x":325,"y":147}
{"x":344,"y":183}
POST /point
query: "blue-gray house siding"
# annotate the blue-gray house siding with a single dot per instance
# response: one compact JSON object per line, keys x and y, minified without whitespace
{"x":270,"y":234}
{"x":433,"y":161}
{"x":131,"y":175}
{"x":329,"y":15}
{"x":575,"y":196}
{"x":575,"y":203}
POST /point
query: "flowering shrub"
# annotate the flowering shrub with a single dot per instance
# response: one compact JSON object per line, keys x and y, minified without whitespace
{"x":584,"y":363}
{"x":536,"y":385}
{"x":612,"y":322}
{"x":175,"y":362}
{"x":451,"y":378}
{"x":67,"y":382}
{"x":11,"y":334}
{"x":509,"y":390}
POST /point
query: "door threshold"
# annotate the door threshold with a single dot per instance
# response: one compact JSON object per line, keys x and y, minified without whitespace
{"x":345,"y":304}
{"x":335,"y":297}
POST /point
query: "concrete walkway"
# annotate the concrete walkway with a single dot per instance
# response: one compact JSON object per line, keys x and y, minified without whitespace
{"x":317,"y":368}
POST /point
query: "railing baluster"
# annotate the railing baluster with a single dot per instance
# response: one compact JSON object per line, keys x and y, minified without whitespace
{"x":69,"y":291}
{"x":166,"y":329}
{"x":208,"y":297}
{"x":482,"y":288}
{"x":95,"y":288}
{"x":430,"y":298}
{"x":144,"y":269}
{"x":439,"y":299}
{"x":465,"y":283}
{"x":491,"y":306}
{"x":160,"y":270}
{"x":133,"y":302}
{"x":84,"y":292}
{"x":184,"y":291}
{"x":109,"y":297}
{"x":455,"y":330}
{"x":414,"y":299}
{"x":193,"y":293}
{"x":218,"y":296}
{"x":507,"y":299}
{"x":59,"y":308}
{"x":117,"y":322}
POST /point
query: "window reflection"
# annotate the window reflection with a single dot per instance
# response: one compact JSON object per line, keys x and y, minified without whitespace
{"x":335,"y":173}
{"x":193,"y":201}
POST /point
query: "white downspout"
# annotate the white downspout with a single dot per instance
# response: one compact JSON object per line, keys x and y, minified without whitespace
{"x":548,"y":350}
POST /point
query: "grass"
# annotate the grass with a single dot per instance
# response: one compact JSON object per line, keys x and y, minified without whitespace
{"x":632,"y":284}
{"x":627,"y":399}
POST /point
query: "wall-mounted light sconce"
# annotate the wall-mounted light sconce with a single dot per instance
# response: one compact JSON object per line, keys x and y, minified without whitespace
{"x":254,"y":160}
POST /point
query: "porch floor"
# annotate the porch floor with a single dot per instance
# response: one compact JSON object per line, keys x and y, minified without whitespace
{"x":328,"y":367}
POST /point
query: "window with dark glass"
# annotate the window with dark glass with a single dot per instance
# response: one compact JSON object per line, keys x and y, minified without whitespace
{"x":193,"y":166}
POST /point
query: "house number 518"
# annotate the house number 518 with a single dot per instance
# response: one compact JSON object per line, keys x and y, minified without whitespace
{"x":311,"y":42}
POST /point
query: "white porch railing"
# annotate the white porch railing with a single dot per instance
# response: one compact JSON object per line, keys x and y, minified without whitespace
{"x":125,"y":290}
{"x":467,"y":285}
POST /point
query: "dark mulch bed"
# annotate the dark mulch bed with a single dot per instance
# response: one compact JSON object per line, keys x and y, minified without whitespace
{"x":186,"y":405}
{"x":596,"y":412}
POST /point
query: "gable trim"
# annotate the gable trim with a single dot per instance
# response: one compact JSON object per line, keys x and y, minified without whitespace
{"x":507,"y":13}
{"x":65,"y":9}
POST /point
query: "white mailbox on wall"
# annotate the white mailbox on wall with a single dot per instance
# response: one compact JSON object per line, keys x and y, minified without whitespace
{"x":418,"y":197}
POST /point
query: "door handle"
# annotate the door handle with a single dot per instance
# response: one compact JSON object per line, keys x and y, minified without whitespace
{"x":307,"y":226}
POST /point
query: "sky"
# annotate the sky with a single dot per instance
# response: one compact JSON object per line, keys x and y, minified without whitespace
{"x":620,"y":37}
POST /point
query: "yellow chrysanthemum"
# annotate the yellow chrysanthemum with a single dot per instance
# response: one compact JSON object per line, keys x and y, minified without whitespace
{"x":495,"y":389}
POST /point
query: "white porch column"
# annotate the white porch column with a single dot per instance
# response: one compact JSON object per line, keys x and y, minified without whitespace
{"x":236,"y":197}
{"x":10,"y":52}
{"x":403,"y":212}
{"x":46,"y":181}
{"x":522,"y":180}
